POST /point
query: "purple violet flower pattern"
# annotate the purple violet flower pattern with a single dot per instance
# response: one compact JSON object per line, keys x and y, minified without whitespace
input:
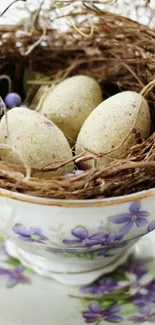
{"x":134,"y":216}
{"x":96,"y":313}
{"x":145,"y":315}
{"x":108,"y":293}
{"x":138,"y":269}
{"x":107,"y":298}
{"x":82,"y":238}
{"x":102,"y":286}
{"x":12,"y":269}
{"x":14,"y":276}
{"x":151,"y":286}
{"x":29,"y":234}
{"x":146,"y":299}
{"x":140,"y":300}
{"x":100,"y":243}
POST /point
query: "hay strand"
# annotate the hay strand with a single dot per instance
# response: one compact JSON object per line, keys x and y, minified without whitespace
{"x":117,"y":179}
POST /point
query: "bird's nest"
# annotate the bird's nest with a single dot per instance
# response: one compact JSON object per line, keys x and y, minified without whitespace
{"x":117,"y":51}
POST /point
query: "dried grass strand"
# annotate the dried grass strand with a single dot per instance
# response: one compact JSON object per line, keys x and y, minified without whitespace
{"x":113,"y":180}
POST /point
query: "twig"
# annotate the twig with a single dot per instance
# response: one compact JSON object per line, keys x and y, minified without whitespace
{"x":73,"y":25}
{"x":63,"y":164}
{"x":148,"y":88}
{"x":31,"y":48}
{"x":8,"y":7}
{"x":5,"y":76}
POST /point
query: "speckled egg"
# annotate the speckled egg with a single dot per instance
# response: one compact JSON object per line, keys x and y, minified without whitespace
{"x":38,"y":140}
{"x":70,"y":102}
{"x":110,"y":124}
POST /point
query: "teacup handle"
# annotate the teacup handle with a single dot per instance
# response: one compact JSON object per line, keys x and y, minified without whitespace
{"x":6,"y":214}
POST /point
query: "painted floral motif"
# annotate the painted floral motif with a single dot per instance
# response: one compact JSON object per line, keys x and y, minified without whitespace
{"x":109,"y":299}
{"x":84,"y":239}
{"x":12,"y":270}
{"x":105,"y":285}
{"x":145,"y":315}
{"x":84,"y":254}
{"x":134,"y":216}
{"x":109,"y":241}
{"x":136,"y":269}
{"x":95,"y":313}
{"x":146,"y":299}
{"x":29,"y":234}
{"x":14,"y":276}
{"x":102,"y":242}
{"x":113,"y":299}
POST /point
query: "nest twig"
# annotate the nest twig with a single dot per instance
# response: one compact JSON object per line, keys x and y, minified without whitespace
{"x":123,"y":177}
{"x":119,"y":54}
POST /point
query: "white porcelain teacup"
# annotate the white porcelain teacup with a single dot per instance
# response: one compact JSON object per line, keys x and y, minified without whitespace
{"x":71,"y":240}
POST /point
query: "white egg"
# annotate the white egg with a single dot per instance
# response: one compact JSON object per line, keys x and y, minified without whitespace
{"x":111,"y":123}
{"x":35,"y":140}
{"x":70,"y":102}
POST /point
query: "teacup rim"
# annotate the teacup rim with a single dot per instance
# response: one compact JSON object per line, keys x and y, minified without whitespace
{"x":77,"y":203}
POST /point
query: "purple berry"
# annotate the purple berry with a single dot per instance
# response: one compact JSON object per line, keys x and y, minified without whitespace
{"x":12,"y":100}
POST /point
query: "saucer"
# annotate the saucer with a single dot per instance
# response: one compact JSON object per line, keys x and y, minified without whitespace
{"x":125,"y":296}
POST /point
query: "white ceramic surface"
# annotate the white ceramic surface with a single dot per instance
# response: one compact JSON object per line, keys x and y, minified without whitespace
{"x":72,"y":279}
{"x":62,"y":237}
{"x":58,"y":223}
{"x":27,"y":299}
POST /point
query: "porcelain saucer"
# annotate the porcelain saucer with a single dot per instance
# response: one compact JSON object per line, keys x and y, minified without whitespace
{"x":125,"y":296}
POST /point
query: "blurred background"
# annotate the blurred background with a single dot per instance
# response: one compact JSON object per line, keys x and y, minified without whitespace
{"x":135,"y":9}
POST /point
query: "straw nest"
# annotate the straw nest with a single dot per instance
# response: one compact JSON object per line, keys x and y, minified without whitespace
{"x":117,"y":51}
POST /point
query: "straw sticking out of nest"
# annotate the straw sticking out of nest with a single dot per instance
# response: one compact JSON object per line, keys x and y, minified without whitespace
{"x":123,"y":177}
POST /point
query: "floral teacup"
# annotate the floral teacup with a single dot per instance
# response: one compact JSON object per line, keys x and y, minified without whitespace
{"x":65,"y":239}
